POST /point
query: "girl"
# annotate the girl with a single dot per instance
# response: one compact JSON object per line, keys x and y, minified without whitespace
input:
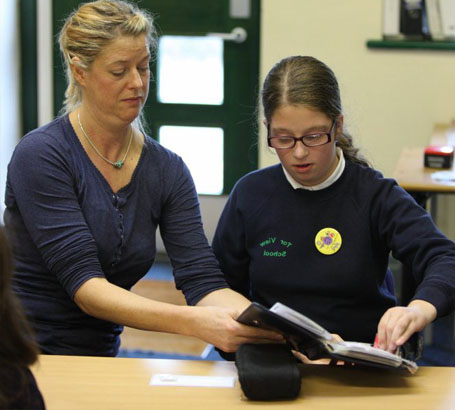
{"x":315,"y":231}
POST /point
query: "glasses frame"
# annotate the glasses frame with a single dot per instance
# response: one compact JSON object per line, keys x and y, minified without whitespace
{"x":302,"y":138}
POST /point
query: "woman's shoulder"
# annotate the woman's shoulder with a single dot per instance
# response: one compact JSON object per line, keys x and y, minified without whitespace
{"x":160,"y":152}
{"x":163,"y":162}
{"x":50,"y":129}
{"x":51,"y":136}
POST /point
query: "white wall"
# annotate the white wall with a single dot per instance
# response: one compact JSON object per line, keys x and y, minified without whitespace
{"x":391,"y":98}
{"x":9,"y":86}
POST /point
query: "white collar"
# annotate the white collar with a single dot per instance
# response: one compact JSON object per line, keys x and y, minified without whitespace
{"x":329,"y":181}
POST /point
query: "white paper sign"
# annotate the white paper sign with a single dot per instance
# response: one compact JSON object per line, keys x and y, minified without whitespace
{"x":165,"y":379}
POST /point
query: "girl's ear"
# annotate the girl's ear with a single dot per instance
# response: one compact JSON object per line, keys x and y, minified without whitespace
{"x":78,"y":71}
{"x":338,"y":128}
{"x":340,"y":121}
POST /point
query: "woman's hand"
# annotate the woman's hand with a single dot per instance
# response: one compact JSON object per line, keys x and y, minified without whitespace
{"x":399,"y":323}
{"x":214,"y":324}
{"x":218,"y":326}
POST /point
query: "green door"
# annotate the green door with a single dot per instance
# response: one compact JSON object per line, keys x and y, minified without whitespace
{"x":203,"y":93}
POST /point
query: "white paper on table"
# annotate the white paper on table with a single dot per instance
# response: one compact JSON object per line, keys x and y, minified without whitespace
{"x":446,"y":176}
{"x":165,"y":379}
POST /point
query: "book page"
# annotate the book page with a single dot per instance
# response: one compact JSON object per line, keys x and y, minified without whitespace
{"x":300,"y":320}
{"x":366,"y":352}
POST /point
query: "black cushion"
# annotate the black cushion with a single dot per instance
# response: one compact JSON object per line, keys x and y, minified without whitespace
{"x":268,"y":372}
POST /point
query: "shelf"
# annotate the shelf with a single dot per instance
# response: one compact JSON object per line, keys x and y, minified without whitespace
{"x":408,"y":44}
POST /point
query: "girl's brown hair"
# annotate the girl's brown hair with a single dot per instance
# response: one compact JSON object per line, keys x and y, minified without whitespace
{"x":303,"y":80}
{"x":17,"y":344}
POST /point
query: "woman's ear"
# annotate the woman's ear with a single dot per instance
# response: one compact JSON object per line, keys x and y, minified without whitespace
{"x":78,"y":71}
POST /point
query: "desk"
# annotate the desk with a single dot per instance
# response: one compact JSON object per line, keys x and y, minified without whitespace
{"x":414,"y":177}
{"x":95,"y":383}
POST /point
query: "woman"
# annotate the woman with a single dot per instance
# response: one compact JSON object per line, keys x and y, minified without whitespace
{"x":315,"y":231}
{"x":86,"y":193}
{"x":18,"y":389}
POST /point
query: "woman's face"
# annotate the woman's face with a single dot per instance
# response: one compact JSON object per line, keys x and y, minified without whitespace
{"x":115,"y":86}
{"x":307,"y":165}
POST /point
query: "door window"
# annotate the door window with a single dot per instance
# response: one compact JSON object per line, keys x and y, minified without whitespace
{"x":202,"y":79}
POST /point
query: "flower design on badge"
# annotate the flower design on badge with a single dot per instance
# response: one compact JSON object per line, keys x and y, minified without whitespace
{"x":328,"y":241}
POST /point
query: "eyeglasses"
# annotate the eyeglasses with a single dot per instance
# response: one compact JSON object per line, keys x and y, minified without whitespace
{"x":310,"y":140}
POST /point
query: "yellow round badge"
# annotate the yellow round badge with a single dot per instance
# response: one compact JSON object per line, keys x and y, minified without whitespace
{"x":328,"y":241}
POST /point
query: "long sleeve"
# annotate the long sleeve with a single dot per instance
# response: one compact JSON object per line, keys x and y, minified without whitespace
{"x":230,"y":247}
{"x":40,"y":187}
{"x":414,"y":239}
{"x":196,"y":270}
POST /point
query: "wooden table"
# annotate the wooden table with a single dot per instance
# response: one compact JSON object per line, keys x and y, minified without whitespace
{"x":72,"y":382}
{"x":410,"y":172}
{"x":414,"y":177}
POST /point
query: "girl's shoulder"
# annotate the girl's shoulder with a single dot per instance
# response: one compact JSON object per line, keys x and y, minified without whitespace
{"x":267,"y":176}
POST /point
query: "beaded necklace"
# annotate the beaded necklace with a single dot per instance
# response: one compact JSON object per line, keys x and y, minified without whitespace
{"x":116,"y":164}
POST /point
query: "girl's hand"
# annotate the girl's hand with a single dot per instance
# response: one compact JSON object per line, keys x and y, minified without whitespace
{"x":332,"y":362}
{"x":399,"y":323}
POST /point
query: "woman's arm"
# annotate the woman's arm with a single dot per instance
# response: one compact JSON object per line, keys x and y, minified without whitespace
{"x":213,"y":324}
{"x":225,"y":297}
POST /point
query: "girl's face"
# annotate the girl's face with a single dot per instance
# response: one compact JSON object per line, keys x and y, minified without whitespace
{"x":307,"y":165}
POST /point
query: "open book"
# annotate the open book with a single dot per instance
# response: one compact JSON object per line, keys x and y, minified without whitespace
{"x":316,"y":342}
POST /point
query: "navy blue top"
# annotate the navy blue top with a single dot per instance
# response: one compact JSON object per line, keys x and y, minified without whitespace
{"x":267,"y":245}
{"x":67,"y":226}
